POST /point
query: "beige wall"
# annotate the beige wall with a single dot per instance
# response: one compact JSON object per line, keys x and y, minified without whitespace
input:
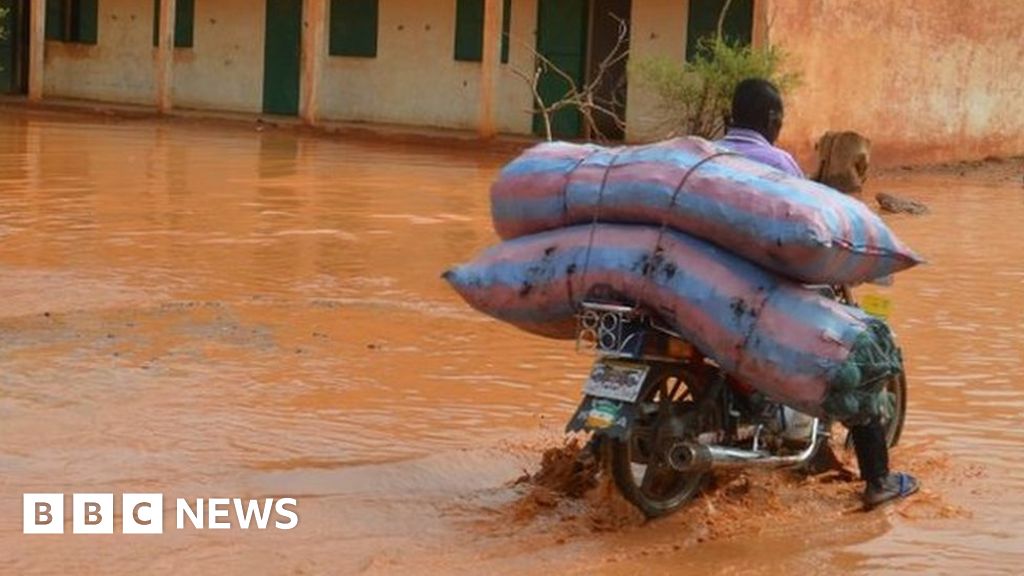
{"x":224,"y":69}
{"x":119,"y":67}
{"x":926,"y":80}
{"x":415,"y":79}
{"x":515,"y":100}
{"x":658,"y":31}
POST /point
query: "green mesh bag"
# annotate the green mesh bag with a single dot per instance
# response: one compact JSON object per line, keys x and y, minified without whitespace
{"x":856,"y":390}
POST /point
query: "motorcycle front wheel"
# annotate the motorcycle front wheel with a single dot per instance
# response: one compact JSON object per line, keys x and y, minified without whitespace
{"x":894,"y":427}
{"x":637,"y":466}
{"x":893,"y":422}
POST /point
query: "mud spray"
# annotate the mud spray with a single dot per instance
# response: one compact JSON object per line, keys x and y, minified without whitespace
{"x":570,"y":494}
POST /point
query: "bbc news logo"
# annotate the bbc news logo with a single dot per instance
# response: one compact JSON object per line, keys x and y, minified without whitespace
{"x":144,"y":513}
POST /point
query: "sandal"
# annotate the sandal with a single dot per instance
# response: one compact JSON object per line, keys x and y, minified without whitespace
{"x":893,"y":487}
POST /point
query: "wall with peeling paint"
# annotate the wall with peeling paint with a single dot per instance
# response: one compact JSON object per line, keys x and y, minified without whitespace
{"x":926,"y":80}
{"x":118,"y":68}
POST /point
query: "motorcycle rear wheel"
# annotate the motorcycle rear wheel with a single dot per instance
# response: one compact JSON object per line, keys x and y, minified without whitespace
{"x":639,"y":470}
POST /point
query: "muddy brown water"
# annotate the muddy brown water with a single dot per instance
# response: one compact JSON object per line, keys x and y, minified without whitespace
{"x":207,"y":311}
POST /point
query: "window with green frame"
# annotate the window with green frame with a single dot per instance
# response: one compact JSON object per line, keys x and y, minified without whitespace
{"x":72,"y":21}
{"x":469,"y":30}
{"x":184,"y":23}
{"x":353,"y":28}
{"x":702,"y":22}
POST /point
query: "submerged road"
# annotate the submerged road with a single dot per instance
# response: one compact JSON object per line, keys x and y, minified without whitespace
{"x":210,"y":311}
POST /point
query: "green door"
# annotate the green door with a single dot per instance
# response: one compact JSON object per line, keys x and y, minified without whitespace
{"x":702,"y":22}
{"x":8,"y":46}
{"x":282,"y":57}
{"x":562,"y":39}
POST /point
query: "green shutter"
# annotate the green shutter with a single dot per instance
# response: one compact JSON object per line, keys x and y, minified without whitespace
{"x":353,"y":28}
{"x":88,"y":22}
{"x":8,"y":43}
{"x":184,"y":23}
{"x":469,"y":30}
{"x":82,"y":27}
{"x":562,"y":38}
{"x":282,"y":57}
{"x":702,"y":22}
{"x":54,"y":20}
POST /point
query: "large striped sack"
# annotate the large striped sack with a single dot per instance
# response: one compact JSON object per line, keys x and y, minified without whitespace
{"x":805,"y":350}
{"x":796,"y":227}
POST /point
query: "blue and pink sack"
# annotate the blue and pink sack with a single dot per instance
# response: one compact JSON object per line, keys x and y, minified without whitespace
{"x":795,"y":227}
{"x":802,"y":349}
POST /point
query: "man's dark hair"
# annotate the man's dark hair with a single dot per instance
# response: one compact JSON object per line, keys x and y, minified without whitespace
{"x":757,"y":105}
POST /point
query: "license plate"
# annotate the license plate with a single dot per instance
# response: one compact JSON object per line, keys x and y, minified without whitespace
{"x":616,"y":380}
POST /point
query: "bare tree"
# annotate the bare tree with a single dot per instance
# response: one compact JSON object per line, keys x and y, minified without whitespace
{"x":721,"y":18}
{"x":584,"y":98}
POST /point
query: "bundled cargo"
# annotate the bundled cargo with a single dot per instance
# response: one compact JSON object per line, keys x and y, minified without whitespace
{"x":794,"y":345}
{"x":795,"y":227}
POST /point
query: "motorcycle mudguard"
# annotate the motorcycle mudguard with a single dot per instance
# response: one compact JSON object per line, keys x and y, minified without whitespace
{"x":604,"y":416}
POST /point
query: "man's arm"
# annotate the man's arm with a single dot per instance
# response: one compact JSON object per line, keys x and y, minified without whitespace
{"x":791,"y":167}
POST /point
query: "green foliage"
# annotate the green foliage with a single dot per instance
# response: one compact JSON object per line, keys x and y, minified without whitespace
{"x":4,"y":28}
{"x":4,"y":12}
{"x":695,"y":97}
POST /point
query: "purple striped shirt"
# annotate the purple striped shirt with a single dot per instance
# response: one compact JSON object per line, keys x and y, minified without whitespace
{"x":752,"y":145}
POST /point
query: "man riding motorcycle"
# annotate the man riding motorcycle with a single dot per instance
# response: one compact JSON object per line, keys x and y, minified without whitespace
{"x":757,"y":114}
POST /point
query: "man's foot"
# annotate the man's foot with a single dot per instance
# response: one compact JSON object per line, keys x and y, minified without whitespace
{"x":894,"y":486}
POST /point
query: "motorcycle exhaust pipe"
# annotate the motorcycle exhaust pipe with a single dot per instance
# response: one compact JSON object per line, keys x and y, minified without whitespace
{"x":694,"y":457}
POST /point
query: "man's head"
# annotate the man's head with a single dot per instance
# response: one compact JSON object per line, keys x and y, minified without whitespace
{"x":757,"y":105}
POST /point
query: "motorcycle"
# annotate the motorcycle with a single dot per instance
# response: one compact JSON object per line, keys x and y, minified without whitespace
{"x":663,"y":417}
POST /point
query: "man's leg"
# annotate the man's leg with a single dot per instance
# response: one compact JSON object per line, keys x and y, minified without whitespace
{"x":872,"y":451}
{"x":873,"y":459}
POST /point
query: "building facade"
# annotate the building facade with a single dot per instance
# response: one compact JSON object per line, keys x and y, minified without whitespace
{"x":926,"y":80}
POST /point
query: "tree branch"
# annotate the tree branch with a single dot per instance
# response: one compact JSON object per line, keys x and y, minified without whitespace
{"x":585,"y":99}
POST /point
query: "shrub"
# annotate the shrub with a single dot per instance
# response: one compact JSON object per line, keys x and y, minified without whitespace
{"x":695,"y":97}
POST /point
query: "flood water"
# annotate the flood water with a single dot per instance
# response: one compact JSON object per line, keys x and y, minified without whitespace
{"x":206,"y":311}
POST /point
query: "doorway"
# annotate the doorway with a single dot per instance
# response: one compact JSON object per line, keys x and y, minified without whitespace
{"x":577,"y":36}
{"x":607,"y":18}
{"x":282,"y":57}
{"x":14,"y":46}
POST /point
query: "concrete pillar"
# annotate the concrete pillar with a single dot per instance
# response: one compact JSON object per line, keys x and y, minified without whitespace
{"x":490,"y":68}
{"x":314,"y":50}
{"x":165,"y":57}
{"x":36,"y":50}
